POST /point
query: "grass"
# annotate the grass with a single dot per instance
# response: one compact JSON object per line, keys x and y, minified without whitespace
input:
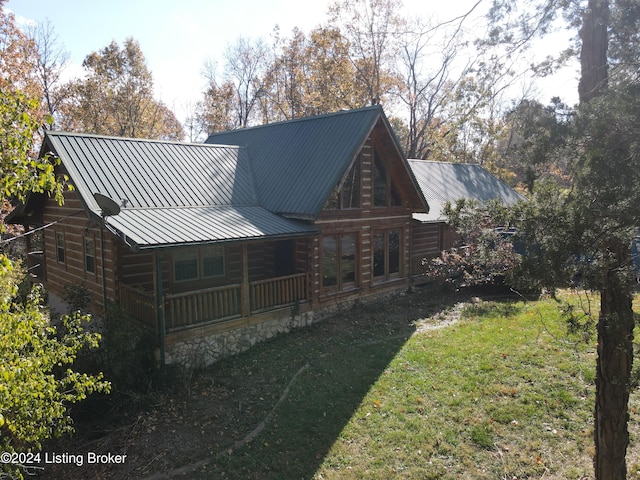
{"x":504,"y":393}
{"x":499,"y":395}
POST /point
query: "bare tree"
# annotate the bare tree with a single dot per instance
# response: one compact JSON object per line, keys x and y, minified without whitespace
{"x":245,"y":66}
{"x":51,"y":60}
{"x":424,"y":90}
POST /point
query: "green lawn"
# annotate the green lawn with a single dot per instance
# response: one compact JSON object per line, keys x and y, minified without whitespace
{"x":503,"y":393}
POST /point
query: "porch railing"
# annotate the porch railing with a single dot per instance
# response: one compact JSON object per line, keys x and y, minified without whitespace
{"x":277,"y":292}
{"x":212,"y":304}
{"x":183,"y":309}
{"x":139,"y":304}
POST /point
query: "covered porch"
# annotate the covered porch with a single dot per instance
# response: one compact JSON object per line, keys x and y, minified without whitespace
{"x":253,"y":278}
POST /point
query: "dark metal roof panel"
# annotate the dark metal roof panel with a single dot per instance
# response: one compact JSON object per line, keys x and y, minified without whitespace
{"x":299,"y":162}
{"x":153,"y":227}
{"x":154,"y":174}
{"x":443,"y":182}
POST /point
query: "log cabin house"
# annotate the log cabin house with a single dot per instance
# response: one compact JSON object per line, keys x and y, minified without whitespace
{"x":221,"y":245}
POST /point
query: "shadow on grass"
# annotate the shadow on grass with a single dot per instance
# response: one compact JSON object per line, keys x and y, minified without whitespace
{"x":344,"y":356}
{"x":307,"y":385}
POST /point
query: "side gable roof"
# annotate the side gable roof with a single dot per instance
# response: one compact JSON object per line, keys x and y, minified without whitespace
{"x":443,"y":182}
{"x":154,"y":174}
{"x":298,"y":163}
{"x":171,"y":193}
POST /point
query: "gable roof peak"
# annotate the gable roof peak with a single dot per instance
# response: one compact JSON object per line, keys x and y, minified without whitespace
{"x":297,"y":163}
{"x":62,"y":133}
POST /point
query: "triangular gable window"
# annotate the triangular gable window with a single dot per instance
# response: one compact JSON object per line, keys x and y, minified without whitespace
{"x":347,"y":197}
{"x":384,"y":191}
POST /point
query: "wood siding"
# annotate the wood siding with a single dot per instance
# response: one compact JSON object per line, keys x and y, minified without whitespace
{"x":75,"y":227}
{"x":427,"y":240}
{"x":363,"y":222}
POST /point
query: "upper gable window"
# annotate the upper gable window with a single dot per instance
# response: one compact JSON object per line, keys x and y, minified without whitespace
{"x":350,"y":191}
{"x":349,"y":195}
{"x":384,"y":192}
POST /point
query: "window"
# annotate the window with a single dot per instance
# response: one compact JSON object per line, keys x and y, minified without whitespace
{"x":213,"y":261}
{"x":194,"y":263}
{"x":349,"y":195}
{"x":185,"y":265}
{"x":384,"y":192}
{"x":60,"y":247}
{"x":339,"y":261}
{"x":89,"y":255}
{"x":348,"y":260}
{"x":386,"y":254}
{"x":329,"y":261}
{"x":350,"y":192}
{"x":379,"y":184}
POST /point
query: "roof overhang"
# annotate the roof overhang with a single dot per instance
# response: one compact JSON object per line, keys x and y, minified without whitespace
{"x":150,"y":228}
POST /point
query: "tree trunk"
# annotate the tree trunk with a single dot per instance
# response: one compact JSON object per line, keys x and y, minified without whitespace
{"x":615,"y":359}
{"x":593,"y":54}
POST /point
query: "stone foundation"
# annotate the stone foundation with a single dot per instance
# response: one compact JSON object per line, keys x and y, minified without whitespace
{"x":201,"y":350}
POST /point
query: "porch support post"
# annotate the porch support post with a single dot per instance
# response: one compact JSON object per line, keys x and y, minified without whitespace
{"x":160,"y":306}
{"x":244,"y":296}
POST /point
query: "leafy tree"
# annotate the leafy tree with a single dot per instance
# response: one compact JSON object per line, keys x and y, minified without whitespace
{"x":310,"y":75}
{"x":37,"y":384}
{"x":372,"y":28}
{"x":20,"y":172}
{"x":18,"y":57}
{"x":602,"y":208}
{"x":116,"y":97}
{"x":215,"y":112}
{"x":533,"y":144}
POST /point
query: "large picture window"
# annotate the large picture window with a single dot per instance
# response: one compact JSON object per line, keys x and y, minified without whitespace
{"x":386,"y":254}
{"x":339,"y":261}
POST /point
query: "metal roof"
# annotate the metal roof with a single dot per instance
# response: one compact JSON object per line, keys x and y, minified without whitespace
{"x":443,"y":182}
{"x":170,"y":192}
{"x":189,"y":225}
{"x":298,"y":163}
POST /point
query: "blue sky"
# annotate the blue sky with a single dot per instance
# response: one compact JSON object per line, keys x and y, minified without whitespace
{"x":178,"y":36}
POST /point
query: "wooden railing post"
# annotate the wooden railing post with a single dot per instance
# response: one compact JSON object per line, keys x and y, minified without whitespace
{"x":244,"y":291}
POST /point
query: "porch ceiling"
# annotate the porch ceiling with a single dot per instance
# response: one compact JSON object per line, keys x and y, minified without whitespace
{"x":144,"y":228}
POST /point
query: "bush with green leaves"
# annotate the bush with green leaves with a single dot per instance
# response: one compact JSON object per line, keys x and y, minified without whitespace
{"x":37,"y":383}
